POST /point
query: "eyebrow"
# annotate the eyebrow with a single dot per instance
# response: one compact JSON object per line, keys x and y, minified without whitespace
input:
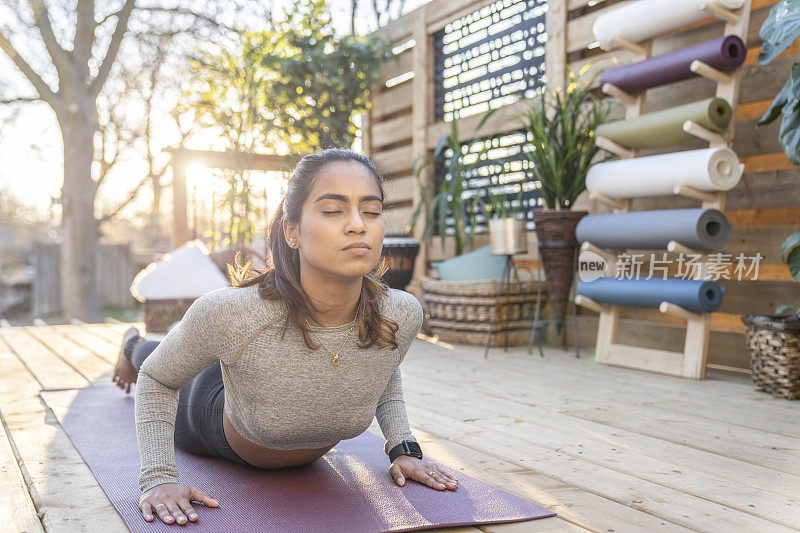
{"x":345,"y":199}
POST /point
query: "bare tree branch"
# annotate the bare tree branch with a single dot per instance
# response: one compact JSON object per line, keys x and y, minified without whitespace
{"x":131,"y":196}
{"x":185,"y":11}
{"x":85,"y":28}
{"x":113,"y":48}
{"x":58,"y":55}
{"x":20,"y":99}
{"x":44,"y":90}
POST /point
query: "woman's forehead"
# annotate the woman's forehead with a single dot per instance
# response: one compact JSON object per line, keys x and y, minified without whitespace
{"x":344,"y":177}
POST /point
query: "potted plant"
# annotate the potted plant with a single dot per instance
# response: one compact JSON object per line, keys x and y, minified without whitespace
{"x":508,"y":234}
{"x":774,"y":340}
{"x":449,"y":200}
{"x":780,"y":29}
{"x":400,"y":251}
{"x":561,"y":126}
{"x":460,"y":307}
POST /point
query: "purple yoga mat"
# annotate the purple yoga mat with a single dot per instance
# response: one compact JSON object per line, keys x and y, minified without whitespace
{"x":348,"y":489}
{"x":724,"y":53}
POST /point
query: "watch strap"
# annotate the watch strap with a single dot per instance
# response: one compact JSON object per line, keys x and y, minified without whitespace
{"x":406,"y":447}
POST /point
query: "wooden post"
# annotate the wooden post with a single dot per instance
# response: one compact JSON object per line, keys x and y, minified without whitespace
{"x":421,"y":117}
{"x":555,"y":55}
{"x":180,"y":227}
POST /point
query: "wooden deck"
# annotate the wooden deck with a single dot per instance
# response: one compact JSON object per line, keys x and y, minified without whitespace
{"x":608,"y":449}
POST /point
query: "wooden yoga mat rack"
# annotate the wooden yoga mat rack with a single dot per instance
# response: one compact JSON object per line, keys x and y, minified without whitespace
{"x":691,"y":363}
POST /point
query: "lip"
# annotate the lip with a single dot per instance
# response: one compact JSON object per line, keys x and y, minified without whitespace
{"x":356,"y":251}
{"x":357,"y":245}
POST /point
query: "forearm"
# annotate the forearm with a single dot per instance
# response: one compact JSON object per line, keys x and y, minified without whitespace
{"x":393,"y":421}
{"x":156,"y":406}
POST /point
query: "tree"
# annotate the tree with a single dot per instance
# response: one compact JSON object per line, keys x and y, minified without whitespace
{"x":70,"y":82}
{"x":294,"y":84}
{"x":313,"y":82}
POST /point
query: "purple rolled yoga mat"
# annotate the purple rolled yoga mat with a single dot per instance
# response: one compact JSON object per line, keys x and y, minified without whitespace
{"x":724,"y":53}
{"x":349,"y":489}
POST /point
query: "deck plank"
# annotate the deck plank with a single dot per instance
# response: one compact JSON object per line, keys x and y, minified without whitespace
{"x":606,"y":448}
{"x":63,"y":488}
{"x":659,"y":501}
{"x":609,"y":452}
{"x":101,"y":347}
{"x":549,"y":408}
{"x":583,"y":509}
{"x":20,"y":513}
{"x":49,"y":369}
{"x":755,"y":446}
{"x":85,"y":361}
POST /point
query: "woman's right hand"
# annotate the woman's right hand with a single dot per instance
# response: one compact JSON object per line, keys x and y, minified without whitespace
{"x":171,"y":502}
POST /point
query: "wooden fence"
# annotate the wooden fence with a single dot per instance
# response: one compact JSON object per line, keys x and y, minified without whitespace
{"x":115,"y":272}
{"x":764,"y":208}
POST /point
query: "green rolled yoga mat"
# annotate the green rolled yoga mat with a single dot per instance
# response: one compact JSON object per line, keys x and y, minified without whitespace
{"x":665,"y":128}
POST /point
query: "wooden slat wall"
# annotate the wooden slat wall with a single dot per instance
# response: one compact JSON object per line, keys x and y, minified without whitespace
{"x":115,"y":272}
{"x":764,"y":208}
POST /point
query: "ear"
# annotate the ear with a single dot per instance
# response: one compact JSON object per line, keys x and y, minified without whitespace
{"x":290,"y":230}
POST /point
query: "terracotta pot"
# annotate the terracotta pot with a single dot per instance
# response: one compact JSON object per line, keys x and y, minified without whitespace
{"x":556,"y":233}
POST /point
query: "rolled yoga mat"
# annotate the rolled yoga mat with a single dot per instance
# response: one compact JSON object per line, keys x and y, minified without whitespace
{"x":704,"y":229}
{"x":641,"y":20}
{"x":665,"y":128}
{"x":724,"y":53}
{"x":707,"y":169}
{"x":694,"y":295}
{"x":349,"y":489}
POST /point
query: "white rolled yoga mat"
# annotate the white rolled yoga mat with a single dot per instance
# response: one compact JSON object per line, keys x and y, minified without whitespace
{"x":644,"y":19}
{"x":707,"y":169}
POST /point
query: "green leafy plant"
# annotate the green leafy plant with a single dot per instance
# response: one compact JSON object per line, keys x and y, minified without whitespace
{"x":562,"y":125}
{"x":778,"y":32}
{"x":790,"y":255}
{"x":449,"y":200}
{"x":498,"y":208}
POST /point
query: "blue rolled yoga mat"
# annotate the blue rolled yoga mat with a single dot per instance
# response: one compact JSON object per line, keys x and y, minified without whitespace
{"x":704,"y":229}
{"x":694,"y":295}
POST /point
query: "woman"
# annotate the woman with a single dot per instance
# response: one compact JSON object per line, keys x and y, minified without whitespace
{"x":273,"y":372}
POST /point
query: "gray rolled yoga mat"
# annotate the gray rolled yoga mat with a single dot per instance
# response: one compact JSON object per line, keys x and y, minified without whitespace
{"x":704,"y":229}
{"x":694,"y":295}
{"x":349,"y":489}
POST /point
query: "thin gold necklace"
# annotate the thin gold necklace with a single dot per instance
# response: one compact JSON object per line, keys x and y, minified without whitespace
{"x":336,"y":353}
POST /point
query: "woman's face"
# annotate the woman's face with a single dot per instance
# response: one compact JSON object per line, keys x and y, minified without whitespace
{"x":343,"y":207}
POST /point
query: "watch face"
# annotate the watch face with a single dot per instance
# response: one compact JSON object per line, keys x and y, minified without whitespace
{"x":413,"y":447}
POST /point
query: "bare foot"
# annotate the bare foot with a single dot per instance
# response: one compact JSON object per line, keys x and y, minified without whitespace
{"x":124,"y":372}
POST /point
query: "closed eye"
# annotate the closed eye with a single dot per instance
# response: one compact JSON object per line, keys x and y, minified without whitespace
{"x":331,"y":212}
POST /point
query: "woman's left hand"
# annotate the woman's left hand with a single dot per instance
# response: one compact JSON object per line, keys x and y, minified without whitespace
{"x":423,"y":470}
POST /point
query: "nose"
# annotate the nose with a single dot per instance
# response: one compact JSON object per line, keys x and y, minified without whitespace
{"x":356,"y":222}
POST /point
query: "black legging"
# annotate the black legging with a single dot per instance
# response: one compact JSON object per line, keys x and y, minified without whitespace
{"x":198,"y":423}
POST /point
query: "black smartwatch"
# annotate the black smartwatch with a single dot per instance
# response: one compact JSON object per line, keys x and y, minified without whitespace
{"x":407,"y":447}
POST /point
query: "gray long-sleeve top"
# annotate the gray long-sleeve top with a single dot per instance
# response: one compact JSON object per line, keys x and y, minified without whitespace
{"x":278,"y":393}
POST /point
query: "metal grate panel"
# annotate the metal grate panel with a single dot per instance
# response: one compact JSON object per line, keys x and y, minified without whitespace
{"x":489,"y":58}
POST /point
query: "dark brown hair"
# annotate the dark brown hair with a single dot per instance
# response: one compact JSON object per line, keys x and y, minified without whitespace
{"x":281,"y":277}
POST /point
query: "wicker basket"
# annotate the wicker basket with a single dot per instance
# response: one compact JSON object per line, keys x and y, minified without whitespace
{"x":159,"y":315}
{"x":461,"y":311}
{"x":774,"y":354}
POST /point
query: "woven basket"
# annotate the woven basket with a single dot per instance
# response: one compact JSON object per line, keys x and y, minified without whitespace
{"x":774,"y":354}
{"x":461,"y":311}
{"x":159,"y":315}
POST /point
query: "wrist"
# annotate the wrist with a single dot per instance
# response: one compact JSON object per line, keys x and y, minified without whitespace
{"x":406,"y":447}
